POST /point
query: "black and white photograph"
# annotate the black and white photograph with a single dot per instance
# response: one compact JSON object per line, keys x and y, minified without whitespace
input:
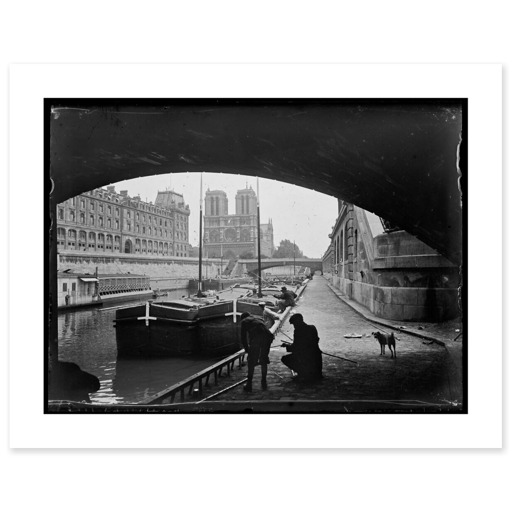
{"x":262,"y":255}
{"x":256,"y":255}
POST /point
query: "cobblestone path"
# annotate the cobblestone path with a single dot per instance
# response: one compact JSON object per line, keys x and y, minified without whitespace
{"x":421,"y":371}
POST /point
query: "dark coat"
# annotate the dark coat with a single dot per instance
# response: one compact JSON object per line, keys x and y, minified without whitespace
{"x":288,"y":297}
{"x":305,"y":357}
{"x":256,"y":340}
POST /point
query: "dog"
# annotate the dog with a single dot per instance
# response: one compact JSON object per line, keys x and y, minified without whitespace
{"x":386,"y":339}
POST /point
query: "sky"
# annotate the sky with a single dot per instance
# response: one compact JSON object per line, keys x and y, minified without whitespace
{"x":298,"y":214}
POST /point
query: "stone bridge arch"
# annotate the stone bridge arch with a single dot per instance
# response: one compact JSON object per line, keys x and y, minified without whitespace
{"x":396,"y":158}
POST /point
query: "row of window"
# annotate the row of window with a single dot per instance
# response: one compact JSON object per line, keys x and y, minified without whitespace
{"x":341,"y":246}
{"x":150,"y":231}
{"x":92,"y":206}
{"x":92,"y":219}
{"x":101,"y":194}
{"x":81,"y":216}
{"x":230,"y":221}
{"x":74,"y":240}
{"x":107,"y":223}
{"x":82,"y":203}
{"x":151,"y":220}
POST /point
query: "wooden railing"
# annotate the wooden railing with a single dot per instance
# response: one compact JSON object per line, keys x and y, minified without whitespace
{"x":191,"y":389}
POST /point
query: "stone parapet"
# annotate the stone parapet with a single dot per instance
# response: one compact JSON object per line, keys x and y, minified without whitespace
{"x":156,"y":269}
{"x":407,"y":304}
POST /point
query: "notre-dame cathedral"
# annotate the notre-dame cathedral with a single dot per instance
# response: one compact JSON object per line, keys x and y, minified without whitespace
{"x":231,"y":236}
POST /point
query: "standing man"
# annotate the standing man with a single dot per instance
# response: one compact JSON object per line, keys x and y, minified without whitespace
{"x":286,"y":298}
{"x":256,"y":340}
{"x":305,"y":358}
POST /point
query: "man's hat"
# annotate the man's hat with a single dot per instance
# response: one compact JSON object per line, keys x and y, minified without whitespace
{"x":283,"y":288}
{"x":262,"y":304}
{"x":245,"y":315}
{"x":296,"y":318}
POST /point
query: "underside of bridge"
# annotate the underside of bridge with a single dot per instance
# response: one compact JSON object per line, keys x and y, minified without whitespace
{"x":396,"y":158}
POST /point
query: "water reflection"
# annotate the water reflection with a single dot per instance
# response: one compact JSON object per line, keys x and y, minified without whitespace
{"x":87,"y":337}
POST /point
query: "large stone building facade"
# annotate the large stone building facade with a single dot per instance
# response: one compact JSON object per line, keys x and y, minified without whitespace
{"x":389,"y":271}
{"x":104,"y":221}
{"x":232,"y":236}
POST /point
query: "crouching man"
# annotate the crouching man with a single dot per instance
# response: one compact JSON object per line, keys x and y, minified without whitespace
{"x":305,"y":358}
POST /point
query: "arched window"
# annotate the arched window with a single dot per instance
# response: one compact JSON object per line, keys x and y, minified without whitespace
{"x":101,"y":241}
{"x":128,"y":247}
{"x":61,"y":237}
{"x":92,"y":240}
{"x":82,"y":240}
{"x":82,"y":218}
{"x":71,"y":239}
{"x":91,"y":220}
{"x":71,"y":215}
{"x":345,"y":244}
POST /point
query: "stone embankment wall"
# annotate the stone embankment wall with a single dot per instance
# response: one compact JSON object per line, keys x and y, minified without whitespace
{"x":396,"y":276}
{"x":164,"y":273}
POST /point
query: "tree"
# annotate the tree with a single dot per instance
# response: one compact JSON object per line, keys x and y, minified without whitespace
{"x":287,"y":249}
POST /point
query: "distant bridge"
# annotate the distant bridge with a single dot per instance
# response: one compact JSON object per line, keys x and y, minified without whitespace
{"x":266,"y":263}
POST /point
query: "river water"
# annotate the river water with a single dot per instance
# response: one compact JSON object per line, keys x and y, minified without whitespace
{"x":87,"y":337}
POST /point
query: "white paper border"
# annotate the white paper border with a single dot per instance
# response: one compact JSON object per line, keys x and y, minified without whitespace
{"x":29,"y":427}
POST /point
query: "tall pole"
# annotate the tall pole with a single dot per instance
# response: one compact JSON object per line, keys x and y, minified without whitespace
{"x":258,"y":231}
{"x":294,"y":260}
{"x":221,"y":259}
{"x":199,"y":284}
